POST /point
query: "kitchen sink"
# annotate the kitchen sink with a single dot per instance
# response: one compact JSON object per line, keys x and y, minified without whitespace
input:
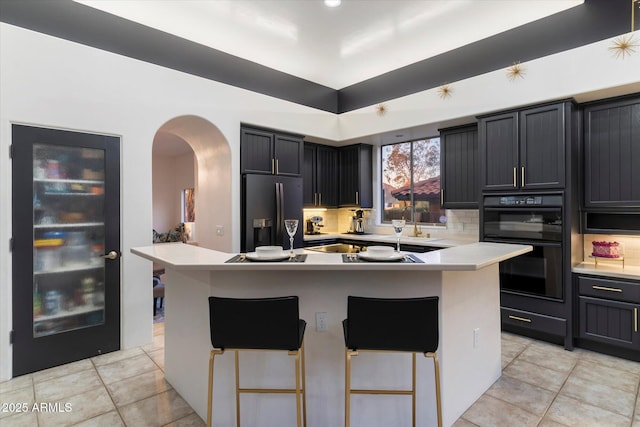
{"x":341,"y":248}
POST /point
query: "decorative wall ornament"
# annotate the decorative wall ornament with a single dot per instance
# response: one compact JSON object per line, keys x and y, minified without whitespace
{"x":623,"y":46}
{"x":381,"y":109}
{"x":516,"y":70}
{"x":445,"y":91}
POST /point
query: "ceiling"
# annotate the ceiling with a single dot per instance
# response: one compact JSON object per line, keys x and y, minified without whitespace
{"x":334,"y":47}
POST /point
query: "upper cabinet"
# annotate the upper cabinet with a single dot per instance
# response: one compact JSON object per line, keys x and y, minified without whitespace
{"x":460,"y":187}
{"x":267,"y":152}
{"x":525,"y":149}
{"x":355,"y":176}
{"x":612,"y":153}
{"x":320,"y":172}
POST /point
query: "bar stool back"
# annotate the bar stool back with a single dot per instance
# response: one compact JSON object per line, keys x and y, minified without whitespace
{"x":258,"y":324}
{"x":391,"y":324}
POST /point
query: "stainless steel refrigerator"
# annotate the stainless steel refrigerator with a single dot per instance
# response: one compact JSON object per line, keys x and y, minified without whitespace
{"x":267,"y":200}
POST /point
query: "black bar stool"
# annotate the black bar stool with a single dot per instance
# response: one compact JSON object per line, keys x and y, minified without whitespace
{"x":397,"y":325}
{"x":258,"y":324}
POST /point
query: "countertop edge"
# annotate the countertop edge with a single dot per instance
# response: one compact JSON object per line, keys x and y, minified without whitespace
{"x":629,"y":272}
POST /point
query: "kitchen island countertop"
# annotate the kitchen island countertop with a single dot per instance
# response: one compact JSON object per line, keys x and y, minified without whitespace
{"x":469,"y":257}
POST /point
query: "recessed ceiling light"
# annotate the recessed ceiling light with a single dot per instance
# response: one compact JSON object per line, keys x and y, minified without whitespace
{"x":332,"y":3}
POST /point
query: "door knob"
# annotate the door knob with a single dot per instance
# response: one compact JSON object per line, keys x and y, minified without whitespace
{"x":111,"y":255}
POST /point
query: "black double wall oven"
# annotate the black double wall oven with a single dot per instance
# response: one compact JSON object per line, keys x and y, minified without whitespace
{"x":533,"y":293}
{"x":532,"y":220}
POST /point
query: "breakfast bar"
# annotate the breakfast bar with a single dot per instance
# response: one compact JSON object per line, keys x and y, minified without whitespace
{"x":465,"y":278}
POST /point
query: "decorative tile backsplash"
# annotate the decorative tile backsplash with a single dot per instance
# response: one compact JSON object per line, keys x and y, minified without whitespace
{"x":461,"y":224}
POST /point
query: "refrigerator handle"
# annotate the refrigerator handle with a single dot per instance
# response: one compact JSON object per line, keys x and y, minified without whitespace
{"x":279,"y":208}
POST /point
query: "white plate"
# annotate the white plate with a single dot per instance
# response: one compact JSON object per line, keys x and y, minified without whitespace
{"x":396,"y":256}
{"x":267,"y":257}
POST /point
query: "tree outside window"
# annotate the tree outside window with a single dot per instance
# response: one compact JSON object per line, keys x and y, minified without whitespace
{"x":411,"y":182}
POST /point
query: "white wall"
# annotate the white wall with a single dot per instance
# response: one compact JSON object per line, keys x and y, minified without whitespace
{"x":588,"y":72}
{"x":56,"y":83}
{"x":171,"y":175}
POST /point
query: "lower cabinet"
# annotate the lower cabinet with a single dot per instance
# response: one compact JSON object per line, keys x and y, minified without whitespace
{"x":608,"y":313}
{"x":532,"y":321}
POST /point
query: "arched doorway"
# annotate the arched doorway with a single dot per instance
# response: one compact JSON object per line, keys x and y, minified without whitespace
{"x":212,"y":177}
{"x":191,"y":152}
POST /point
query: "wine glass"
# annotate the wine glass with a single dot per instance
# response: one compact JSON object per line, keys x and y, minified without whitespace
{"x":398,"y":225}
{"x":292,"y":226}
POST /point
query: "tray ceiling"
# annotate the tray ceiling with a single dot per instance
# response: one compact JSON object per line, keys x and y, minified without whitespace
{"x":334,"y":47}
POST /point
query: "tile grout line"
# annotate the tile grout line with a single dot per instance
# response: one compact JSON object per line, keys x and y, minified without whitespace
{"x":123,"y":379}
{"x":558,"y":393}
{"x":108,"y":394}
{"x":501,"y":374}
{"x":635,"y":407}
{"x":541,"y":417}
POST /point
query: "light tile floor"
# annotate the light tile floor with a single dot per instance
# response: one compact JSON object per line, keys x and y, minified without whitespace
{"x":542,"y":385}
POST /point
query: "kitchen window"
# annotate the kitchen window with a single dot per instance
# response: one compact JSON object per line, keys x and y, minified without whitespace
{"x":411,"y":182}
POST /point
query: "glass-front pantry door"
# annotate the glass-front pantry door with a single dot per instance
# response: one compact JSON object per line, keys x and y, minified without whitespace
{"x":66,"y":246}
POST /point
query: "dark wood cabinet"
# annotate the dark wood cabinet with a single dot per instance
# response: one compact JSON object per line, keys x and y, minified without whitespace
{"x":256,"y":151}
{"x":525,"y":149}
{"x":542,"y":147}
{"x":459,"y":169}
{"x":497,"y":138}
{"x":611,"y":322}
{"x":355,"y":176}
{"x":612,"y":153}
{"x":320,"y":172}
{"x":267,"y":152}
{"x":608,"y":312}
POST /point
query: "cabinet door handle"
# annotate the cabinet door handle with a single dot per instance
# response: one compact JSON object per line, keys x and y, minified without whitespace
{"x":272,"y":166}
{"x":320,"y":199}
{"x":522,"y":319}
{"x":357,"y":198}
{"x":315,"y":199}
{"x":514,"y":177}
{"x":277,"y":167}
{"x":441,"y":197}
{"x":635,"y":320}
{"x":523,"y":184}
{"x":605,"y":288}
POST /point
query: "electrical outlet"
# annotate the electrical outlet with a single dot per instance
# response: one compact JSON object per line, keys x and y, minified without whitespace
{"x":476,"y":337}
{"x":322,"y":321}
{"x":219,"y":230}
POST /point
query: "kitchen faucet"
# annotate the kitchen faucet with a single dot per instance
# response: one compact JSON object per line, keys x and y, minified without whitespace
{"x":417,"y":231}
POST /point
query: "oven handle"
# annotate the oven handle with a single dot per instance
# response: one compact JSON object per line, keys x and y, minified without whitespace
{"x":530,"y":208}
{"x":524,"y":242}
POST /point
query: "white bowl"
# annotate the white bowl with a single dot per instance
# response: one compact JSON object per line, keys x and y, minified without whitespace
{"x":380,"y":250}
{"x":268,"y":250}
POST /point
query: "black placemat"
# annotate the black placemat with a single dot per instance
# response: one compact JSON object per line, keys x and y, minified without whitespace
{"x":243,"y":258}
{"x":408,"y":259}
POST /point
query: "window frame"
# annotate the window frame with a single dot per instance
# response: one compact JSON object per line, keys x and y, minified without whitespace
{"x":411,"y":201}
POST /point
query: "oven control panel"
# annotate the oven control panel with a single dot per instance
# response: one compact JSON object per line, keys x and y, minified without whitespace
{"x":520,"y":200}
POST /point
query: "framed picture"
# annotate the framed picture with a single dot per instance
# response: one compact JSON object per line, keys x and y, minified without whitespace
{"x":188,"y":205}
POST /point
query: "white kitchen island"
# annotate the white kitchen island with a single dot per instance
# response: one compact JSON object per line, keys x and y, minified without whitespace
{"x":465,"y":278}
